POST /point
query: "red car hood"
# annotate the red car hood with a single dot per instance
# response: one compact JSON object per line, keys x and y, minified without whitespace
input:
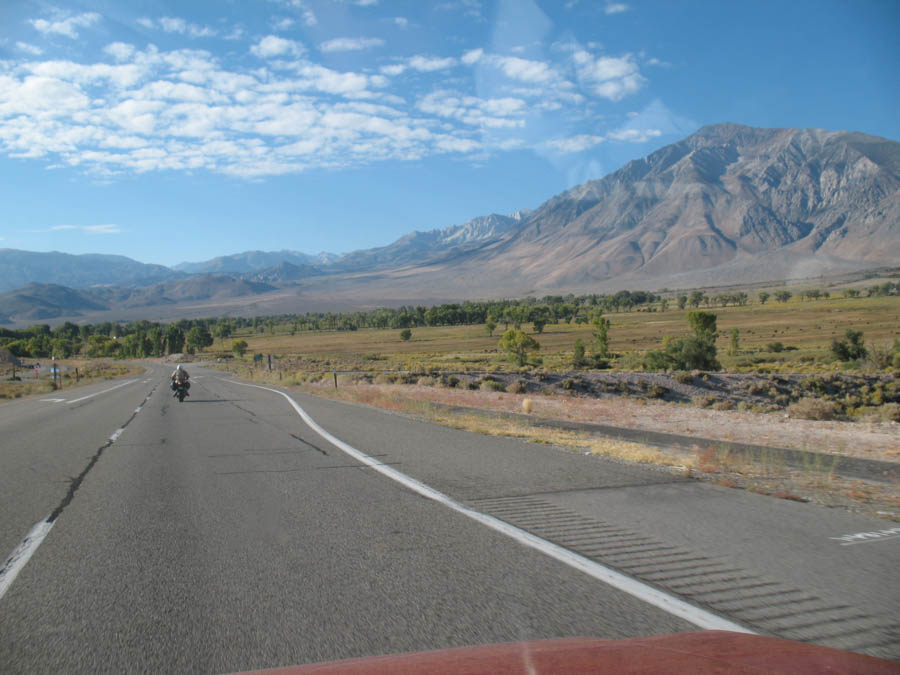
{"x":696,"y":653}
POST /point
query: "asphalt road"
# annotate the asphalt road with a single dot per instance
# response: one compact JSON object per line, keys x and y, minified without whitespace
{"x":224,"y":534}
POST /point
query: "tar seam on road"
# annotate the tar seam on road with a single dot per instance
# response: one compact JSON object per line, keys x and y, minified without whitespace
{"x":23,"y":552}
{"x":653,"y":596}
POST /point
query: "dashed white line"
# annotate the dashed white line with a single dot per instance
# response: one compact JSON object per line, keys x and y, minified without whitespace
{"x":76,"y":400}
{"x":17,"y":559}
{"x":695,"y":615}
{"x":116,"y":434}
{"x":53,"y":400}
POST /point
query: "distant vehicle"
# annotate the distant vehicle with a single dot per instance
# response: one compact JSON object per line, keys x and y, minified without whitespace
{"x":181,"y":390}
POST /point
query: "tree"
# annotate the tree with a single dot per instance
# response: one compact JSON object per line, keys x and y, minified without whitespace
{"x":539,"y":323}
{"x":663,"y":305}
{"x":223,"y":330}
{"x":783,"y":296}
{"x":239,"y":347}
{"x":696,"y":298}
{"x":518,"y":345}
{"x":763,"y":296}
{"x":697,"y":351}
{"x":682,"y":301}
{"x":491,"y":324}
{"x":174,"y":339}
{"x":405,"y":334}
{"x":703,"y":324}
{"x":851,"y":293}
{"x":197,"y":338}
{"x":578,"y":360}
{"x":850,"y":349}
{"x":601,"y":340}
{"x":735,"y":342}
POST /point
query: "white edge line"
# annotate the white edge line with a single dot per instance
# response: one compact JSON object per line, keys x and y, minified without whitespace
{"x":695,"y":615}
{"x":76,"y":400}
{"x":20,"y":555}
{"x":870,"y":541}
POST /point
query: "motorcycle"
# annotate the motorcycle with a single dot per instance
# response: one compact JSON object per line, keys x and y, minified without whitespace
{"x":181,"y":390}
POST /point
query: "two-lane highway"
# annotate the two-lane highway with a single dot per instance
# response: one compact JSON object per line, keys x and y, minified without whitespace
{"x":222,"y":534}
{"x":225,"y":533}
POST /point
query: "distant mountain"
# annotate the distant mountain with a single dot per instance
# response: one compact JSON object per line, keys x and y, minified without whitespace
{"x":253,"y":261}
{"x":423,"y":247}
{"x":284,"y":273}
{"x":19,"y":268}
{"x":45,"y":302}
{"x":728,"y":204}
{"x":40,"y":302}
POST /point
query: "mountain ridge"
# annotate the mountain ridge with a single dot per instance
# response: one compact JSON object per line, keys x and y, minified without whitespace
{"x":728,"y":203}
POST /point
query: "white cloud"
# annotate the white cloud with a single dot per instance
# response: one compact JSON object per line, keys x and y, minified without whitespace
{"x":401,"y":21}
{"x":145,"y":109}
{"x":120,"y":51}
{"x":607,"y":76}
{"x":634,"y":135}
{"x":284,"y":24}
{"x":29,"y":48}
{"x":525,"y":70}
{"x":90,"y":229}
{"x":428,"y":64}
{"x":616,"y":7}
{"x":177,"y":25}
{"x":578,"y":143}
{"x":146,"y":22}
{"x":67,"y":27}
{"x":393,"y":70}
{"x":350,"y":44}
{"x":472,"y":56}
{"x":272,"y":45}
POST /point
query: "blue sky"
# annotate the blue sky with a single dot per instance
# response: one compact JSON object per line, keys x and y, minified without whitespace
{"x":169,"y":131}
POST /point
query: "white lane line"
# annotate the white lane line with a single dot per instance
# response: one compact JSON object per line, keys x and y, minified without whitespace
{"x":116,"y":434}
{"x":17,"y":559}
{"x":76,"y":400}
{"x":695,"y":615}
{"x":868,"y":537}
{"x":53,"y":400}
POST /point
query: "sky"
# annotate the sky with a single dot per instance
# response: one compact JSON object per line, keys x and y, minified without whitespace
{"x":171,"y":131}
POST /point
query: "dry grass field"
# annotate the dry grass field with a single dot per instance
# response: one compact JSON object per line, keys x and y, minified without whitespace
{"x":805,"y":329}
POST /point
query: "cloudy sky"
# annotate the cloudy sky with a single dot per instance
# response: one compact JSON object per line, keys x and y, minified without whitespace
{"x":169,"y":131}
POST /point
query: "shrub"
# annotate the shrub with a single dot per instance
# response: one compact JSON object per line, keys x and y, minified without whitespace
{"x":425,"y":381}
{"x":850,"y":349}
{"x":775,"y":347}
{"x":724,"y":405}
{"x":568,"y":384}
{"x":518,"y":387}
{"x":405,"y":334}
{"x":703,"y":401}
{"x":684,"y":377}
{"x":384,"y":378}
{"x":492,"y":385}
{"x":656,"y":390}
{"x":453,"y":381}
{"x":890,"y":412}
{"x":813,"y":409}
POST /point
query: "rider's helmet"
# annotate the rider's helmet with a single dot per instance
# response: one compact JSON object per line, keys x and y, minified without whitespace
{"x":178,"y":367}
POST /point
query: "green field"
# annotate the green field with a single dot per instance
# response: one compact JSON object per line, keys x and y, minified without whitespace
{"x":805,"y":328}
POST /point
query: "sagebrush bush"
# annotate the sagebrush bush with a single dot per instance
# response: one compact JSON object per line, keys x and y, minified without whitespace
{"x":813,"y":409}
{"x":890,"y":412}
{"x":683,"y":377}
{"x":492,"y":385}
{"x":425,"y":381}
{"x":383,"y":378}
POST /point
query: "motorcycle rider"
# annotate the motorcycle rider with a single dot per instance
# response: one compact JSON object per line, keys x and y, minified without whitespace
{"x":180,"y":375}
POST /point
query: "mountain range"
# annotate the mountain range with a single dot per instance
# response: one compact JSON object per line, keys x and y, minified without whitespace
{"x":728,"y":204}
